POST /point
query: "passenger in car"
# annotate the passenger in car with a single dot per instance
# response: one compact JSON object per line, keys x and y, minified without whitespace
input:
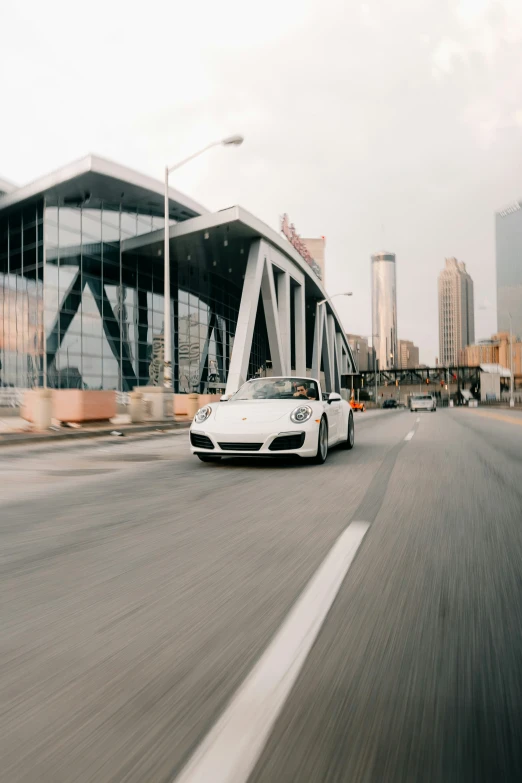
{"x":311,"y":393}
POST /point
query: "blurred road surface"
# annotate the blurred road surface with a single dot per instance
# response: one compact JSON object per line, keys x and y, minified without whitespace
{"x":139,"y":588}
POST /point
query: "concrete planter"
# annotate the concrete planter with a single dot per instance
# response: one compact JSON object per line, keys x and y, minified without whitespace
{"x":74,"y":405}
{"x":188,"y":404}
{"x":206,"y":399}
{"x":136,"y":407}
{"x":157,"y":403}
{"x":180,"y":404}
{"x":37,"y":408}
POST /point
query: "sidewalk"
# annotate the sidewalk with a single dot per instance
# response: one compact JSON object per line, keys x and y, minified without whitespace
{"x":16,"y":431}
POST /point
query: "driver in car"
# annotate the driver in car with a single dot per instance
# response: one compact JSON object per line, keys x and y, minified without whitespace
{"x":300,"y":391}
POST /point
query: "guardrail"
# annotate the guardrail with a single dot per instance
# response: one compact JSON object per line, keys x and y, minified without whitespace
{"x":501,"y":403}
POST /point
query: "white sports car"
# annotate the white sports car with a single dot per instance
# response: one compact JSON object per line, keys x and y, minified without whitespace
{"x":270,"y":417}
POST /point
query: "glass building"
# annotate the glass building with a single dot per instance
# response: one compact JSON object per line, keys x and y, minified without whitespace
{"x":384,"y":310}
{"x":508,"y":230}
{"x":82,"y":286}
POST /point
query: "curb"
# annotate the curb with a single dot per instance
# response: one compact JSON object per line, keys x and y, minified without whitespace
{"x":21,"y":439}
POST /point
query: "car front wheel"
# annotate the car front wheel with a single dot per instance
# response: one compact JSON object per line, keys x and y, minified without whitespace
{"x":350,"y":435}
{"x":322,"y":443}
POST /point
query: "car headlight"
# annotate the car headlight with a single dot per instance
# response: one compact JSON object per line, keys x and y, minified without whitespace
{"x":301,"y":414}
{"x":203,"y":414}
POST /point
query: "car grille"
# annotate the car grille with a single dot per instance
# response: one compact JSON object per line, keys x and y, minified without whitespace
{"x":240,"y":446}
{"x":200,"y":441}
{"x":284,"y":442}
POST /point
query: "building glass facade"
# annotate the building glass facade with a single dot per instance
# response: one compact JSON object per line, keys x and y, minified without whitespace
{"x":21,"y":300}
{"x":100,"y":322}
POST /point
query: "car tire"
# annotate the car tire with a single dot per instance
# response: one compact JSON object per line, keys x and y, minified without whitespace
{"x":412,"y":410}
{"x":350,"y":435}
{"x":322,"y":443}
{"x":208,"y":458}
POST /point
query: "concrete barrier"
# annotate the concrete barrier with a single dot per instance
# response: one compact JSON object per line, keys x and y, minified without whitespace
{"x":206,"y":399}
{"x":180,"y":404}
{"x":158,"y":403}
{"x":38,"y":408}
{"x":136,"y":407}
{"x":74,"y":405}
{"x":192,"y":405}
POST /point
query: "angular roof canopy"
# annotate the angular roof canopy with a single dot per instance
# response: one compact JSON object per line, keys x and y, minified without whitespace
{"x":102,"y":179}
{"x":6,"y":186}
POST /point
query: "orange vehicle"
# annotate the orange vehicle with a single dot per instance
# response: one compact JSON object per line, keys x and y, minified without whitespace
{"x":357,"y":406}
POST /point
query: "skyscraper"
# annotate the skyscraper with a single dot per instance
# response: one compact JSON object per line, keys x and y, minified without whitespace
{"x":508,"y":230}
{"x":408,"y":355}
{"x":384,"y":310}
{"x":456,"y":311}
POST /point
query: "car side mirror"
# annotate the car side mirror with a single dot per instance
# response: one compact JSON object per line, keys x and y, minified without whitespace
{"x":334,"y":397}
{"x":223,"y":398}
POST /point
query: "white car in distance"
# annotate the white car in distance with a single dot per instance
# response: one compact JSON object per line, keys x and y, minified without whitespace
{"x":269,"y":417}
{"x":423,"y":402}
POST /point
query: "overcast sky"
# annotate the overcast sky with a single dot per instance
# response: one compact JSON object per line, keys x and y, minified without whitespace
{"x":378,"y":124}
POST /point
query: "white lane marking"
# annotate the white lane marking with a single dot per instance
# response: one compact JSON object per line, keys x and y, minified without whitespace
{"x":417,"y":420}
{"x":232,"y":747}
{"x":410,"y":435}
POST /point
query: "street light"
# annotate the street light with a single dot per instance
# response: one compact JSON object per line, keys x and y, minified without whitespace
{"x":511,"y":400}
{"x":348,"y":293}
{"x":374,"y":349}
{"x":229,"y":141}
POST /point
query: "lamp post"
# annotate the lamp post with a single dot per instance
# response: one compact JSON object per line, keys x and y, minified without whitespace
{"x":167,"y":339}
{"x":329,"y":299}
{"x":511,"y":398}
{"x":374,"y":364}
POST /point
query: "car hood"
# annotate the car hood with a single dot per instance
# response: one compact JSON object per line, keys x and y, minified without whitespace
{"x":261,"y":411}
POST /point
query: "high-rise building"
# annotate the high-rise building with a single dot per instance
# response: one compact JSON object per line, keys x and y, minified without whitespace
{"x":508,"y":230}
{"x":316,"y":246}
{"x":363,"y":353}
{"x":408,"y":355}
{"x":495,"y":351}
{"x":456,"y":311}
{"x":384,"y":310}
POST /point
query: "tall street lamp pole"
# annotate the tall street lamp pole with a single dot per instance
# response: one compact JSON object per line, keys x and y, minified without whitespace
{"x":375,"y":364}
{"x":329,"y":298}
{"x":167,"y":339}
{"x":511,"y":398}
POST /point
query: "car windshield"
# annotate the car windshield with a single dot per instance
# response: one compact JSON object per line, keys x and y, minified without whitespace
{"x":278,"y":389}
{"x":423,"y":397}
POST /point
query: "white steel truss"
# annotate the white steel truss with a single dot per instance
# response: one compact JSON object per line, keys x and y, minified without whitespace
{"x":272,"y":276}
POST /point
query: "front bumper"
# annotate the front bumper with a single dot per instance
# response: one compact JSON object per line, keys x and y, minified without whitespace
{"x":245,"y":444}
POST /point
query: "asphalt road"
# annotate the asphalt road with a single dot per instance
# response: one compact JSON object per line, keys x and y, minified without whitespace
{"x":140,"y":587}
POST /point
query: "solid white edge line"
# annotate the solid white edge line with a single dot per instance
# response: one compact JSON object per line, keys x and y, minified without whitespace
{"x":230,"y":750}
{"x":417,"y":420}
{"x":410,"y":435}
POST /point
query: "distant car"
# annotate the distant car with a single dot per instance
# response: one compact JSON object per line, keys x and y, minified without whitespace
{"x":390,"y":404}
{"x":423,"y":402}
{"x":273,"y":417}
{"x":357,"y":406}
